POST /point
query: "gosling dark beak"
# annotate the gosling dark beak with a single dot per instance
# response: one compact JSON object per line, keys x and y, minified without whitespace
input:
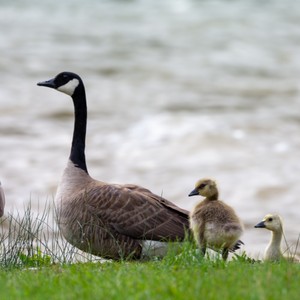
{"x":48,"y":83}
{"x":260,"y":225}
{"x":194,"y":192}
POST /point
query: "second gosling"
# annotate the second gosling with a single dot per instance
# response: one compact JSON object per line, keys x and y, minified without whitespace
{"x":273,"y":251}
{"x":214,"y":224}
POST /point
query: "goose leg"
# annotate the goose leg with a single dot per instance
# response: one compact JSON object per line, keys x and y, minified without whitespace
{"x":203,"y":250}
{"x":225,"y":252}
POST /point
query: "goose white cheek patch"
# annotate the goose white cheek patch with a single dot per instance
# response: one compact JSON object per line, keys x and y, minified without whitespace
{"x":69,"y":87}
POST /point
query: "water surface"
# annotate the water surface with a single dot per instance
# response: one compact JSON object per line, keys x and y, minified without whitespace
{"x":177,"y":90}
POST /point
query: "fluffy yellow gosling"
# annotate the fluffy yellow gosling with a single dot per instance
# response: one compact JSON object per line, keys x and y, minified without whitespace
{"x":214,"y":223}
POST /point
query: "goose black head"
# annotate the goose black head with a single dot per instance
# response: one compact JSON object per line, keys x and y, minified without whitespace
{"x":65,"y":82}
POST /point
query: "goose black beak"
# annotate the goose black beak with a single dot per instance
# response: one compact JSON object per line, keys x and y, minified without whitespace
{"x":260,"y":225}
{"x":194,"y":192}
{"x":48,"y":83}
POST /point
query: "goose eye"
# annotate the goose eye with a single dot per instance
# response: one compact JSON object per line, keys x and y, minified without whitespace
{"x":270,"y":219}
{"x":202,"y":185}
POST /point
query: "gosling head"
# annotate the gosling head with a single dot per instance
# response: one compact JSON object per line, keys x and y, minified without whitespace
{"x":270,"y":222}
{"x":65,"y":82}
{"x":206,"y":188}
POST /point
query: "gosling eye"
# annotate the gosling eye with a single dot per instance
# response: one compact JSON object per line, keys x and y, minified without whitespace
{"x":270,"y":219}
{"x":202,"y":185}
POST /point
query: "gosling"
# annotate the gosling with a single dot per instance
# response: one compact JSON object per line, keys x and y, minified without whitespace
{"x":214,"y":224}
{"x":273,"y":251}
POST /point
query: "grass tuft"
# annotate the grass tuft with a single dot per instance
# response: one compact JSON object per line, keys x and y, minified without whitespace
{"x":33,"y":240}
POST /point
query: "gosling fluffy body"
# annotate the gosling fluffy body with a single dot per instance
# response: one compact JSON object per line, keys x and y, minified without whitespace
{"x":214,"y":223}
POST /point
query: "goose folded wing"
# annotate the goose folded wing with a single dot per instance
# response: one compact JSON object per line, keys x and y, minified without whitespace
{"x":137,"y":212}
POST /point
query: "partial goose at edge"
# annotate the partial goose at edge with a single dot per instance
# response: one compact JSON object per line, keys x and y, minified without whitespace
{"x":2,"y":201}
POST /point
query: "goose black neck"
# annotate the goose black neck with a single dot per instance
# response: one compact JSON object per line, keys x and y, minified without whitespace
{"x":77,"y":155}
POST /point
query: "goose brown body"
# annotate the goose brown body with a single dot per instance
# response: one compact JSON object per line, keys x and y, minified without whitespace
{"x":108,"y":220}
{"x":213,"y":222}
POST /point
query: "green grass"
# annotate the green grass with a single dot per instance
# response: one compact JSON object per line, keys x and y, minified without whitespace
{"x":35,"y":265}
{"x":182,"y":276}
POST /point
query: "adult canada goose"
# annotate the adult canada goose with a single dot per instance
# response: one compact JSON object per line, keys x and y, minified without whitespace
{"x":273,"y":251}
{"x":2,"y":201}
{"x":107,"y":220}
{"x":214,"y":223}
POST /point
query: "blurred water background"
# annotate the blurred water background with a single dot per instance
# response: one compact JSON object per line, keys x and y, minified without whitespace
{"x":177,"y":90}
